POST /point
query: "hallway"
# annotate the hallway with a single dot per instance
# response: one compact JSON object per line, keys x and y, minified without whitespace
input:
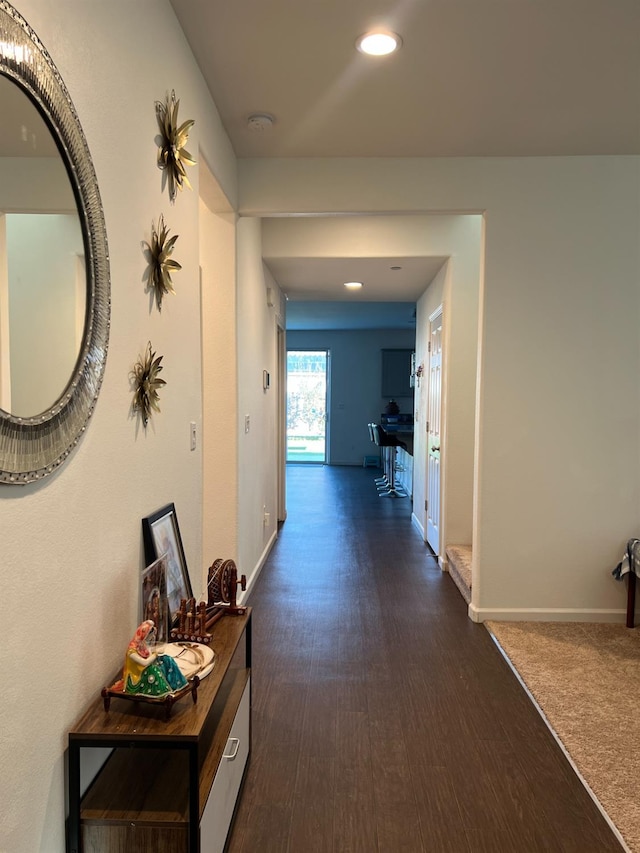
{"x":383,"y":718}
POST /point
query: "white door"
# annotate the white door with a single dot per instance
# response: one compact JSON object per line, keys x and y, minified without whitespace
{"x":434,"y":411}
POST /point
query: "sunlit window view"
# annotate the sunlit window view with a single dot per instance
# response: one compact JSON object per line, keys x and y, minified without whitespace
{"x":306,"y":405}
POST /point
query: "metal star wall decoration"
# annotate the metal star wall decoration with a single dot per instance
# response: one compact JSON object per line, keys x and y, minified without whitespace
{"x":173,"y":157}
{"x":161,"y":264}
{"x":147,"y":382}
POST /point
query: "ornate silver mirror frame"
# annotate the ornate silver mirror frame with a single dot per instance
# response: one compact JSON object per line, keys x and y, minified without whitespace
{"x":33,"y":447}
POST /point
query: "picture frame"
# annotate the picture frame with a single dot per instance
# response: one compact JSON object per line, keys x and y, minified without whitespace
{"x":161,"y":536}
{"x":154,"y":597}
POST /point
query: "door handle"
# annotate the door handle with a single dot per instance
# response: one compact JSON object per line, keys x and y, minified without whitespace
{"x":434,"y":448}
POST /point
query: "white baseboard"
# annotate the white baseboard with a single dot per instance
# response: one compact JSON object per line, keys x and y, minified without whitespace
{"x":551,"y":614}
{"x":253,"y":577}
{"x":418,"y":525}
{"x":442,"y":561}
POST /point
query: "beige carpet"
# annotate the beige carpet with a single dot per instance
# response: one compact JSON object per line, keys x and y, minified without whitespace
{"x":586,"y":679}
{"x":459,"y":563}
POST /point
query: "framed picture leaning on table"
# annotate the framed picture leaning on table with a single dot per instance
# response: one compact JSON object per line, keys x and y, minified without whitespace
{"x":161,"y":536}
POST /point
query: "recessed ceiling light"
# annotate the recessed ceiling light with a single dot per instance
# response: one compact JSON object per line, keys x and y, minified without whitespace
{"x":353,"y":285}
{"x":378,"y":43}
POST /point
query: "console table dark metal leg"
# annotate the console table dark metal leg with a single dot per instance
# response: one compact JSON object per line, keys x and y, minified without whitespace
{"x":631,"y":600}
{"x":73,"y":826}
{"x":194,"y":801}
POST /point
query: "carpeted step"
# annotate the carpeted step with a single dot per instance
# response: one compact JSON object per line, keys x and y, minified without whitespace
{"x":459,"y":565}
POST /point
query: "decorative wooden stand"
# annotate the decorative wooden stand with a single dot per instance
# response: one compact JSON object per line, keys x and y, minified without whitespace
{"x":165,"y":702}
{"x":195,"y":621}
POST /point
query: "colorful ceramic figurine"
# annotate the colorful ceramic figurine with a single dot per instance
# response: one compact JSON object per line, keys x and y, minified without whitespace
{"x":145,"y":672}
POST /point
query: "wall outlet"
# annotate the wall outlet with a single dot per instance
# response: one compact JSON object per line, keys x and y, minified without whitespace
{"x":266,"y":516}
{"x":192,"y":434}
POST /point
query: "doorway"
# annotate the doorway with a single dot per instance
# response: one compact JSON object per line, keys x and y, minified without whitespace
{"x":307,"y":387}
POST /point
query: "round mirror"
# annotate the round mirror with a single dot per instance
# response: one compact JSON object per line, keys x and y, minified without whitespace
{"x":54,"y":271}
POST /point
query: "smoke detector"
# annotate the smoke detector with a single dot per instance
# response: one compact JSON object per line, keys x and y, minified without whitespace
{"x":259,"y":122}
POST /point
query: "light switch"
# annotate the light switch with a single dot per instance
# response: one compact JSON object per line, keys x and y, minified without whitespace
{"x":192,"y":433}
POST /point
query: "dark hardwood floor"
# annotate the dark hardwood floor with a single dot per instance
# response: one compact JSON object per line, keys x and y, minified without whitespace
{"x":383,"y":718}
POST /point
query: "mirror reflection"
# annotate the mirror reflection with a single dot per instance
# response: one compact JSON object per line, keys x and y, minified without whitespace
{"x":43,"y":283}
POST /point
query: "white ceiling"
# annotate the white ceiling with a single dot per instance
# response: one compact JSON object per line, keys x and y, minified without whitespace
{"x":311,"y":279}
{"x":473,"y":78}
{"x":318,"y":299}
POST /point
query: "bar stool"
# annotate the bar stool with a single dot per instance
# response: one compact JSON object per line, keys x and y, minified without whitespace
{"x":381,"y":482}
{"x":390,"y":445}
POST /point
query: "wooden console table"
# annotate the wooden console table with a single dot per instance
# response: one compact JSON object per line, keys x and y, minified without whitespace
{"x":168,"y":785}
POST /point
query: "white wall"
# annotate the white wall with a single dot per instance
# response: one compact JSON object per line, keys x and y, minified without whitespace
{"x":257,"y":429}
{"x":29,"y":185}
{"x":70,"y":546}
{"x":42,"y":257}
{"x":35,"y":184}
{"x":220,"y":400}
{"x":5,"y":337}
{"x":559,"y":351}
{"x":354,"y":392}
